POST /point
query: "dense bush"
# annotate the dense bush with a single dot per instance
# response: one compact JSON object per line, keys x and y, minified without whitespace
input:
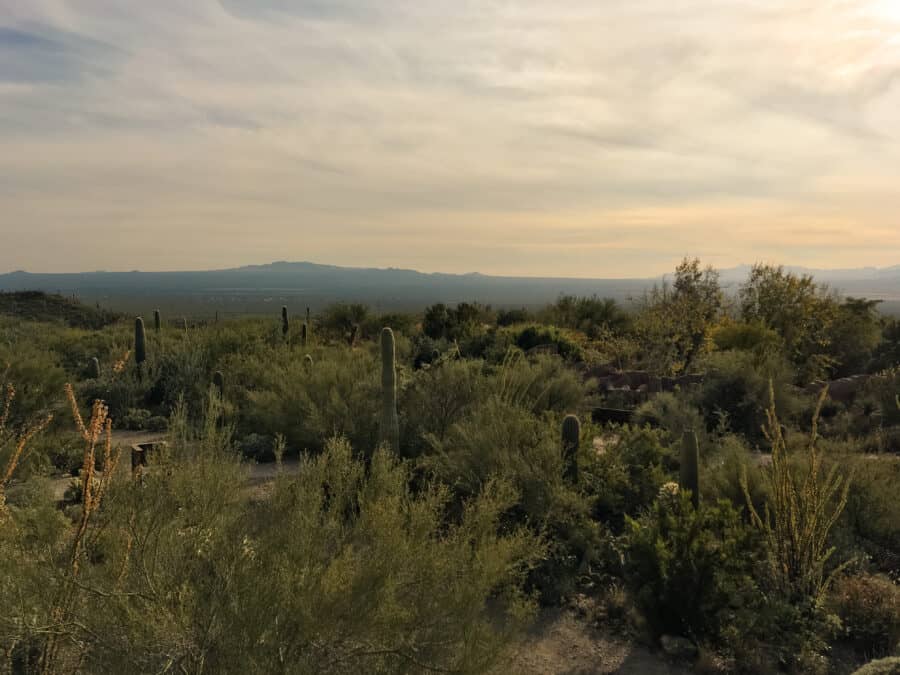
{"x":671,"y":412}
{"x":343,"y":569}
{"x":628,"y":474}
{"x":279,"y":394}
{"x":869,"y":609}
{"x":502,"y":439}
{"x":887,"y":666}
{"x":538,"y":337}
{"x":870,"y":522}
{"x":735,"y":391}
{"x":690,"y":571}
{"x":436,"y":399}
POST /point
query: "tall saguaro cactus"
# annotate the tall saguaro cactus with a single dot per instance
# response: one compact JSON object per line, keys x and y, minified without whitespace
{"x":390,"y":424}
{"x":157,"y":322}
{"x":219,"y":382}
{"x":689,"y":477}
{"x":571,"y":437}
{"x":303,"y":336}
{"x":284,"y":320}
{"x":140,"y":344}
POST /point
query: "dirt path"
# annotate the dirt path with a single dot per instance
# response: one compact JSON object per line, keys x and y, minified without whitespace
{"x":562,"y":644}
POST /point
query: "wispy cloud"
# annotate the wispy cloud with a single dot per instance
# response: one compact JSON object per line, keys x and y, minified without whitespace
{"x":548,"y":137}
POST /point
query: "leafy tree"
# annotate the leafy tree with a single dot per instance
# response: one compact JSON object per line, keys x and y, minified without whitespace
{"x":674,"y":322}
{"x":591,"y":315}
{"x":855,"y":333}
{"x":338,"y":320}
{"x":509,"y":317}
{"x":455,"y":323}
{"x":798,"y":309}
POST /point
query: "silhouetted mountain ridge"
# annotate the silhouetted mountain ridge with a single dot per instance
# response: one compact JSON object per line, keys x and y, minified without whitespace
{"x":252,"y":288}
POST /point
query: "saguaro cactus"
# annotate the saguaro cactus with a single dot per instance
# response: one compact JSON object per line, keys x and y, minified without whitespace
{"x":284,"y":320}
{"x":571,"y":438}
{"x":689,"y":478}
{"x":140,"y":343}
{"x":157,"y":323}
{"x":219,"y":382}
{"x":390,"y":424}
{"x":184,"y":324}
{"x":303,"y":331}
{"x":94,"y":368}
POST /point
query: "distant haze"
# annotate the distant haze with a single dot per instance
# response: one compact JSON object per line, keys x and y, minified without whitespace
{"x":554,"y":138}
{"x":262,"y":289}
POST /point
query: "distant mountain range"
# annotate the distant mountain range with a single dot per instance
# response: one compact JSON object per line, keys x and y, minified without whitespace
{"x":256,"y":289}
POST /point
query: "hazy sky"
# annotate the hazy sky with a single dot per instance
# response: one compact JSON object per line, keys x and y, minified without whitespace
{"x":549,"y":137}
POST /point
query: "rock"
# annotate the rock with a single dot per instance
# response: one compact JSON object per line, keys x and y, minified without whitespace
{"x":677,"y":647}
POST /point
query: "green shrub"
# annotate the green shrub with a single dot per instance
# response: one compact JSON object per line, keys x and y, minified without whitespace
{"x":870,"y":522}
{"x":502,"y":439}
{"x":279,"y":394}
{"x":723,"y":472}
{"x":436,"y":398}
{"x":537,"y":336}
{"x":690,"y":571}
{"x":869,"y":609}
{"x":38,"y":380}
{"x":540,"y":384}
{"x":135,"y":419}
{"x":888,"y":666}
{"x":672,"y":412}
{"x":737,"y":386}
{"x":628,"y":474}
{"x":257,"y":447}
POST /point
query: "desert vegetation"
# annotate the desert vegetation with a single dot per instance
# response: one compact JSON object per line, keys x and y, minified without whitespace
{"x":711,"y":474}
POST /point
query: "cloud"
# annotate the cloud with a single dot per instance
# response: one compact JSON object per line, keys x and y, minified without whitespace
{"x":484,"y":132}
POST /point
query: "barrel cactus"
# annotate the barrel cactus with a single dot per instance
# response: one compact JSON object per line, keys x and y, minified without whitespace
{"x":689,"y":478}
{"x":157,"y":322}
{"x":94,"y":368}
{"x":390,"y":424}
{"x":571,"y":437}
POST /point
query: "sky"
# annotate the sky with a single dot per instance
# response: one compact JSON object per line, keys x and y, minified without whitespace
{"x":591,"y":138}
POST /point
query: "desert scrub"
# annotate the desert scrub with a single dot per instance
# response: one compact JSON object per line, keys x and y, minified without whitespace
{"x":342,"y":570}
{"x":869,"y":609}
{"x":340,"y":395}
{"x":690,"y":570}
{"x":626,"y":475}
{"x":501,"y":439}
{"x":436,"y":398}
{"x":540,"y":383}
